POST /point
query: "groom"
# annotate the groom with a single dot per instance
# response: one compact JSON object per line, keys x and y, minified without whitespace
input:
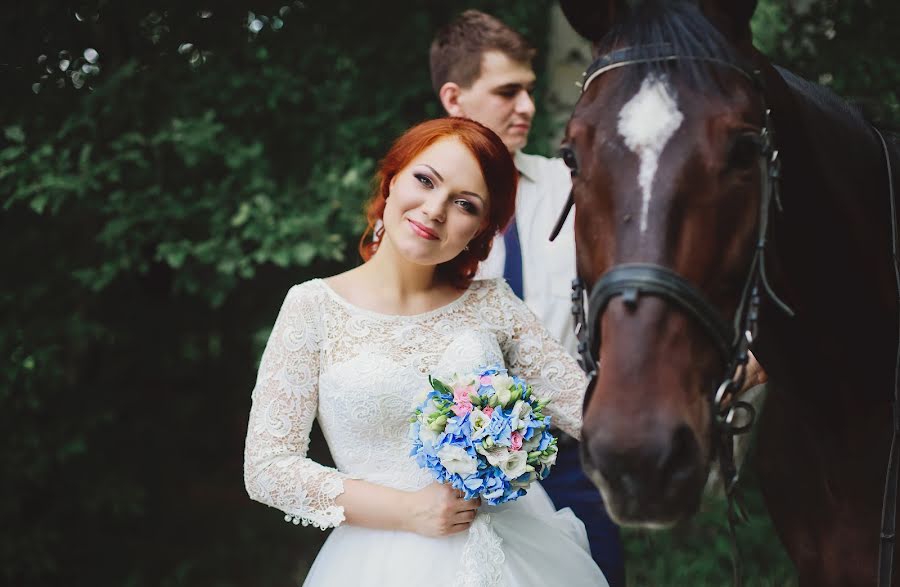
{"x":481,"y":69}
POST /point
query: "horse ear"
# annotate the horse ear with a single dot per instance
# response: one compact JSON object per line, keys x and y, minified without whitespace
{"x":731,"y":17}
{"x":591,"y":20}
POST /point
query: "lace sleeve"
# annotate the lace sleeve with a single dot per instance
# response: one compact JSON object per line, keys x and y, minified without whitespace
{"x":531,"y":352}
{"x":285,"y":398}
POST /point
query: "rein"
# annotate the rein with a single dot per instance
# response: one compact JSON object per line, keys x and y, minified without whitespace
{"x":889,"y":503}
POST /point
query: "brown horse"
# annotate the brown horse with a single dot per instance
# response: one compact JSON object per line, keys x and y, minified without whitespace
{"x":666,"y":144}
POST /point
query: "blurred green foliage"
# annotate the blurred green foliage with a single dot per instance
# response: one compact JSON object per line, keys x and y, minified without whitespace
{"x":850,"y":47}
{"x":699,"y":551}
{"x":167,"y":171}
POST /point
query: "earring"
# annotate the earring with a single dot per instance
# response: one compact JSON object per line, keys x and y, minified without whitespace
{"x":466,"y":248}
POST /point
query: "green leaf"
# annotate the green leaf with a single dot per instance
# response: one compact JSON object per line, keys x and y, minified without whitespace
{"x":439,"y":385}
{"x":14,"y":133}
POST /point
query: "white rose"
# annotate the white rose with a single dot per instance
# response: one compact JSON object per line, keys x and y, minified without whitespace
{"x":522,"y":409}
{"x":496,"y":455}
{"x":515,"y":464}
{"x":501,"y":381}
{"x":550,"y":459}
{"x":456,"y":460}
{"x":520,"y":412}
{"x":479,"y":423}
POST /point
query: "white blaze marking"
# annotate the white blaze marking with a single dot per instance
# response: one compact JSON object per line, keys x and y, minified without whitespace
{"x":647,"y":122}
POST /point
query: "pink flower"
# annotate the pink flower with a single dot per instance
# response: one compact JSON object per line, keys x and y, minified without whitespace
{"x":461,"y":394}
{"x":486,"y":379}
{"x":461,"y":408}
{"x":516,"y":440}
{"x":461,"y":400}
{"x":487,"y":411}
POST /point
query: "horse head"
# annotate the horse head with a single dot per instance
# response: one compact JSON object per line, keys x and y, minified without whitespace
{"x":669,"y":150}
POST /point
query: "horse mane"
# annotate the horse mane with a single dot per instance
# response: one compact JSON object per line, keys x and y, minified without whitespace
{"x":849,"y":111}
{"x":657,"y":28}
{"x":823,"y":98}
{"x":832,"y":124}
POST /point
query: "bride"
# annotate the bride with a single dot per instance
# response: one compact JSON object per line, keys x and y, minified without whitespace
{"x":355,"y":351}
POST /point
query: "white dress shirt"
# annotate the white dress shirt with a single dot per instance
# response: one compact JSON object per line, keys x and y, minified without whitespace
{"x":548,"y":268}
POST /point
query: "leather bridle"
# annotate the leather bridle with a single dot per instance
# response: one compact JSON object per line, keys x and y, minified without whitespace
{"x":733,"y":338}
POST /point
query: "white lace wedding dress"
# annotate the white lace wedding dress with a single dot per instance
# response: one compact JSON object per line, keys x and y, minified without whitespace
{"x":359,"y":373}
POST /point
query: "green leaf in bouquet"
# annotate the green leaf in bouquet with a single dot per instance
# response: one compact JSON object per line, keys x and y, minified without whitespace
{"x":439,"y":423}
{"x":438,"y":385}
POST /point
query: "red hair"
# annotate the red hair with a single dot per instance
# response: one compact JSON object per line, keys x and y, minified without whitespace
{"x":499,"y":174}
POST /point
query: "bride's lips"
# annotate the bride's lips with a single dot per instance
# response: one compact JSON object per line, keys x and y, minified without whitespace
{"x":422,"y":230}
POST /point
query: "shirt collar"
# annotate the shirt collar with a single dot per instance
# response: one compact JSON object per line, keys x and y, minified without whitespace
{"x":525,"y":166}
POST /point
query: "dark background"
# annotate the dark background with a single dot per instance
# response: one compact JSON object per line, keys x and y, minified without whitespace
{"x":160,"y":195}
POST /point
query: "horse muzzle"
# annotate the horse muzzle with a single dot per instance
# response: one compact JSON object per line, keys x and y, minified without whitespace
{"x":654,"y":480}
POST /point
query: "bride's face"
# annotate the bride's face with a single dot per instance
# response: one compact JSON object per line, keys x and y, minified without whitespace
{"x":437,"y":204}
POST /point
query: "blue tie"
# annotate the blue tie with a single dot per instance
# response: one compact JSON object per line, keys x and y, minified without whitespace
{"x":512,"y":266}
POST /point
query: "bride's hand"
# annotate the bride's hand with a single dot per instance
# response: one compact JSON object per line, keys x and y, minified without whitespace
{"x":439,"y":510}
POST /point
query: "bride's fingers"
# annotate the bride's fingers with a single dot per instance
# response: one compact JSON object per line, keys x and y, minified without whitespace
{"x":475,"y":501}
{"x":460,"y":527}
{"x":468,"y":504}
{"x":465,"y":517}
{"x":471,"y":504}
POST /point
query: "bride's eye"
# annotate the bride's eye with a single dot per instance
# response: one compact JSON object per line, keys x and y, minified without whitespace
{"x":468,"y":206}
{"x":424,"y":180}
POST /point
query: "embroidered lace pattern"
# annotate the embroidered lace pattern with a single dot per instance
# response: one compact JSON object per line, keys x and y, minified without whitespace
{"x":360,"y":373}
{"x":483,"y":555}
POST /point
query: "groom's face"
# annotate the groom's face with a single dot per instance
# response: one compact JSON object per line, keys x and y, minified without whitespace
{"x":500,"y":98}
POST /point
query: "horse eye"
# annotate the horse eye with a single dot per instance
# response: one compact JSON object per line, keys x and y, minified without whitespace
{"x":745,"y":152}
{"x":568,"y":157}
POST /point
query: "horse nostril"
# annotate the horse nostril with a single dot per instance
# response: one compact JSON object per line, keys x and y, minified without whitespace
{"x":659,"y":468}
{"x":679,"y":462}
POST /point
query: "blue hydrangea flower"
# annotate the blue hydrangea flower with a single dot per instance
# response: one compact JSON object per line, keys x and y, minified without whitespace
{"x":435,"y":426}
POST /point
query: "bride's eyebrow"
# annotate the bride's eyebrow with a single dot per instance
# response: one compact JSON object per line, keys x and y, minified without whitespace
{"x":434,"y":171}
{"x":440,"y":177}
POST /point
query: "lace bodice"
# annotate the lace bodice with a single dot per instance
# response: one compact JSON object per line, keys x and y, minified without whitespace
{"x":361,"y":373}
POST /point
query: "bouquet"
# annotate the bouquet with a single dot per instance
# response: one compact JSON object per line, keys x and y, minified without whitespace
{"x":484,"y":433}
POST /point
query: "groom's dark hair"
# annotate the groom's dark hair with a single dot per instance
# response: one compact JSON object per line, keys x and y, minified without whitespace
{"x":457,"y":48}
